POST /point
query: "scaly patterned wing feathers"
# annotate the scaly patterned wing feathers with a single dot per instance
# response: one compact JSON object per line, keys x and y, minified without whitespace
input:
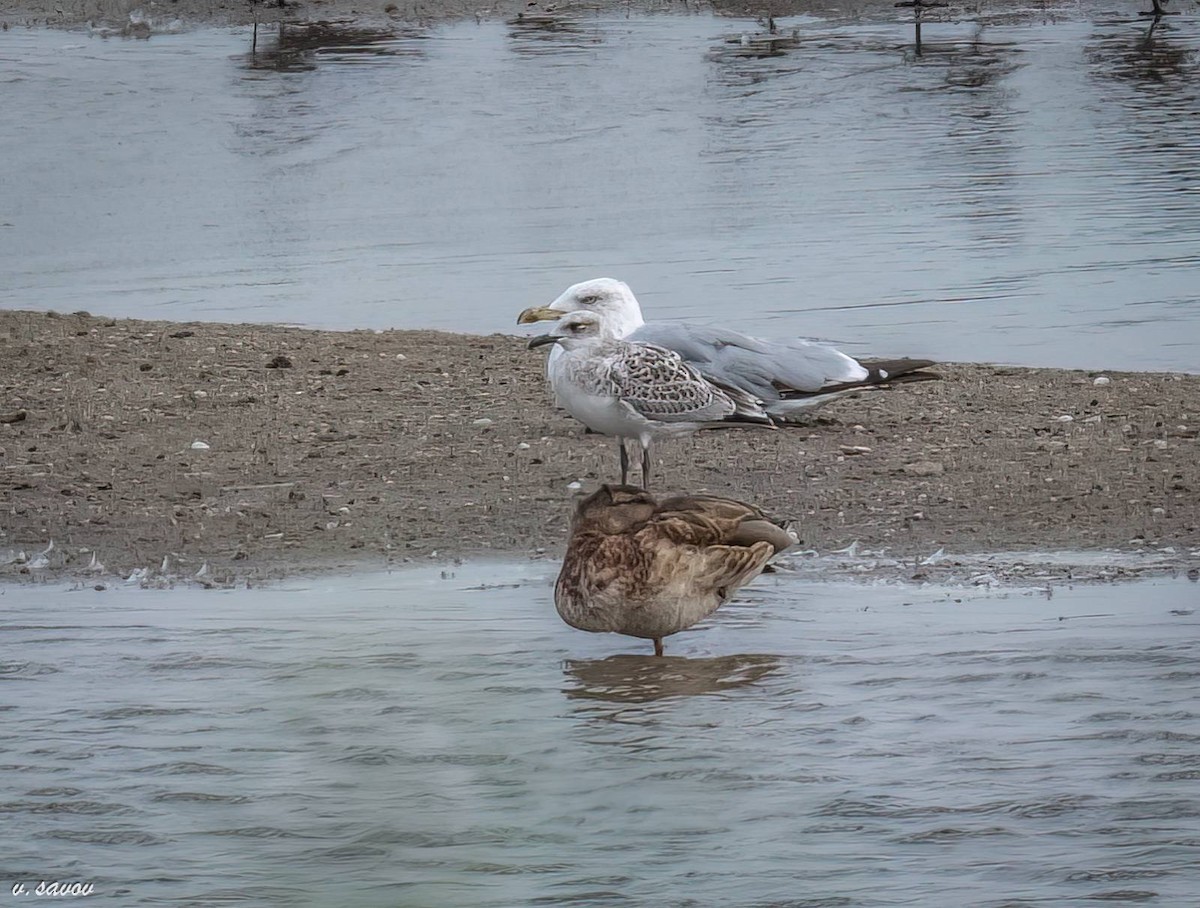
{"x":659,"y":385}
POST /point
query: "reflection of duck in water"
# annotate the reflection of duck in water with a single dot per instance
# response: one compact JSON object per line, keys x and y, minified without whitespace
{"x":634,"y":679}
{"x":645,"y":568}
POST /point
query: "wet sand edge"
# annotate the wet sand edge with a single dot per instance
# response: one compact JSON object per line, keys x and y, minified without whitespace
{"x":233,"y":453}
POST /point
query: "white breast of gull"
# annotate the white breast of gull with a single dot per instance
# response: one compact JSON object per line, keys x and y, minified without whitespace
{"x":637,"y":391}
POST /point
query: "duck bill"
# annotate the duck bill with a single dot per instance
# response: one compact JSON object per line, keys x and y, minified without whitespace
{"x":542,"y":340}
{"x":539,"y":314}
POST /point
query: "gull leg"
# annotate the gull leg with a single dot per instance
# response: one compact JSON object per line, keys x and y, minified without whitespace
{"x":624,"y":461}
{"x":646,"y":467}
{"x":658,"y":647}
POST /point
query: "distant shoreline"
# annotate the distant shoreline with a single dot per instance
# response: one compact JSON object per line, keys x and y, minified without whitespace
{"x":116,"y":18}
{"x":330,"y":449}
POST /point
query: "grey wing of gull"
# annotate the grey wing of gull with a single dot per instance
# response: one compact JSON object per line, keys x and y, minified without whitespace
{"x":760,"y":367}
{"x":660,"y":386}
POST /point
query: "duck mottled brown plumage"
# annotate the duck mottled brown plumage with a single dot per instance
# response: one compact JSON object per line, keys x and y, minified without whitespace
{"x":647,"y":568}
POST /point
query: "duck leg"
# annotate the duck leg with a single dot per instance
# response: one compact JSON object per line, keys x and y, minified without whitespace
{"x":658,"y":647}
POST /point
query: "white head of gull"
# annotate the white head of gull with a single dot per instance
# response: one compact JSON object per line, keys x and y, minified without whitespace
{"x":648,"y":568}
{"x":793,"y":378}
{"x":629,"y":390}
{"x":609,"y":298}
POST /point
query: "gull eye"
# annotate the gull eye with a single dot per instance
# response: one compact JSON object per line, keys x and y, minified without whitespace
{"x":590,"y":300}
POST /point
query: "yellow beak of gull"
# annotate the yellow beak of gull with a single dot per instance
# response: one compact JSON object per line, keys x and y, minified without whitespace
{"x":539,"y":314}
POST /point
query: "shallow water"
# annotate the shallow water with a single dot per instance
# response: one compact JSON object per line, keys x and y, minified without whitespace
{"x":442,"y":739}
{"x":1020,"y":192}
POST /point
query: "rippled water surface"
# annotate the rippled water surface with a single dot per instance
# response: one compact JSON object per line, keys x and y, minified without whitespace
{"x":421,"y":739}
{"x":1024,"y":191}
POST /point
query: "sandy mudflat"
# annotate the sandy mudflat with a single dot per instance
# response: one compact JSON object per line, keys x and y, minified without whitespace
{"x":384,"y":448}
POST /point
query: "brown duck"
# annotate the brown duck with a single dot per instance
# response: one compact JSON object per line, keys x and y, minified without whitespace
{"x":647,"y":568}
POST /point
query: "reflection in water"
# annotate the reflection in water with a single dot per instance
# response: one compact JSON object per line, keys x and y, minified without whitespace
{"x":641,"y":679}
{"x":297,"y":46}
{"x":976,"y":163}
{"x":1146,"y":58}
{"x":749,"y":58}
{"x":1149,"y":75}
{"x":981,"y":64}
{"x":918,"y":7}
{"x":758,"y":45}
{"x":967,"y":155}
{"x":537,"y":31}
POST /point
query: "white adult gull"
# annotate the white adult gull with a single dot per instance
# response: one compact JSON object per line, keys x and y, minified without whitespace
{"x":630,"y":390}
{"x":792,"y":378}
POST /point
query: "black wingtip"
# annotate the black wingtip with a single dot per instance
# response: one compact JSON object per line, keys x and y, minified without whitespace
{"x":880,"y":374}
{"x":750,"y":419}
{"x":898,"y":370}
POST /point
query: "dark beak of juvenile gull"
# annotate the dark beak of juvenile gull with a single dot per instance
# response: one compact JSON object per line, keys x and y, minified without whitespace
{"x":542,"y":339}
{"x":539,"y":314}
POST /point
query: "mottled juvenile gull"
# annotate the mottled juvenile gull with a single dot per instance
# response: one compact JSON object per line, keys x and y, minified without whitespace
{"x":792,"y":378}
{"x":636,"y":390}
{"x":649,"y":568}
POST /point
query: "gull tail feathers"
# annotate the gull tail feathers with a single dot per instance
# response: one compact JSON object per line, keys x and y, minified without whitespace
{"x":880,"y":373}
{"x":795,"y":408}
